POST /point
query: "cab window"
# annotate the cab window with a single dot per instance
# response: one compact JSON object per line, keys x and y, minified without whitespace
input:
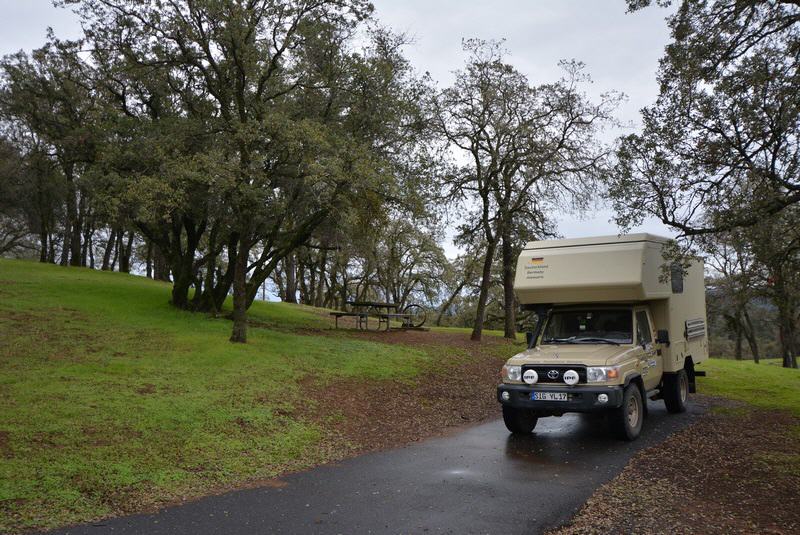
{"x":593,"y":326}
{"x":643,"y":334}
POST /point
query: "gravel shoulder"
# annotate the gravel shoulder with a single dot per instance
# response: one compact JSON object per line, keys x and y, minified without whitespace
{"x":735,"y":470}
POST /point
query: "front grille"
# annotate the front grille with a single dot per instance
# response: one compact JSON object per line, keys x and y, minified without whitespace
{"x":543,"y":371}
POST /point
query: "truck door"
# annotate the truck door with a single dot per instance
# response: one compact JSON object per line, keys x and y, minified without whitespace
{"x":650,"y":363}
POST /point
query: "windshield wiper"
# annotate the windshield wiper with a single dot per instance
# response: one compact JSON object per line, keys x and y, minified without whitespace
{"x":570,"y":340}
{"x":602,"y":340}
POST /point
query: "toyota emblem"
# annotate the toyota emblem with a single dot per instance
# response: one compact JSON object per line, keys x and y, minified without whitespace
{"x":553,"y":374}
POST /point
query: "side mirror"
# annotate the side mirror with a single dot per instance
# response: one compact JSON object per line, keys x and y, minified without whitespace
{"x":662,"y":337}
{"x":528,"y":337}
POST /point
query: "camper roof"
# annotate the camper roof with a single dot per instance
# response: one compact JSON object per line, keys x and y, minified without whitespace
{"x":592,"y":270}
{"x":597,"y":240}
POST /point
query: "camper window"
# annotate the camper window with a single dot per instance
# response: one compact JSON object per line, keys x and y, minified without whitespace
{"x":676,"y":276}
{"x":612,"y":326}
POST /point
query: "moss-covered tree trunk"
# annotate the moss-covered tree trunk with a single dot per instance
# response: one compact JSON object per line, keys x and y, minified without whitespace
{"x":509,"y":300}
{"x":486,"y":283}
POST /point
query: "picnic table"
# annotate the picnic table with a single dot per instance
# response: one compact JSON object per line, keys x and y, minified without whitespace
{"x":382,"y":314}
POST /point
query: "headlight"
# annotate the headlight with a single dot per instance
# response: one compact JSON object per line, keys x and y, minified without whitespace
{"x":602,"y":374}
{"x":512,"y":373}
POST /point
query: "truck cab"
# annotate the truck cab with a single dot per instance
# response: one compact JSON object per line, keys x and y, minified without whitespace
{"x":612,"y":331}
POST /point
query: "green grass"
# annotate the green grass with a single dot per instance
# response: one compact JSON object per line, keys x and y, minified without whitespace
{"x":762,"y":385}
{"x":111,"y":400}
{"x":468,"y":330}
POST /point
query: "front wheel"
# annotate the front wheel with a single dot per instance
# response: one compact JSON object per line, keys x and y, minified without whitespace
{"x":519,"y":421}
{"x":676,"y":391}
{"x":626,"y":421}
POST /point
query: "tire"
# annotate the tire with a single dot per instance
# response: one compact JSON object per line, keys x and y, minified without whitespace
{"x":626,"y":421}
{"x":676,"y":391}
{"x":519,"y":421}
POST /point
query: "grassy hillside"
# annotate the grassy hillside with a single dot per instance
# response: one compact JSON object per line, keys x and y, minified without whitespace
{"x":766,"y":385}
{"x":111,"y":400}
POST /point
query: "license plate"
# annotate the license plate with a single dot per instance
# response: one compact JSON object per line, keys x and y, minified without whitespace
{"x":549,"y":396}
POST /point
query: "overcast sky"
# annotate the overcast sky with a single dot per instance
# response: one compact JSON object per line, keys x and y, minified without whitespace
{"x":621,"y":50}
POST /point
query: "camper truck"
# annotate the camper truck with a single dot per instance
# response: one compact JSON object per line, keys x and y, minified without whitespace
{"x":616,"y":325}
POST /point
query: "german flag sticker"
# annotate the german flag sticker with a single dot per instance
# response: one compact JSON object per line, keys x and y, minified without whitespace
{"x":537,"y":260}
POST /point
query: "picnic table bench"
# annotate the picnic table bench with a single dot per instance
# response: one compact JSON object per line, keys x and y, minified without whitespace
{"x":412,"y":316}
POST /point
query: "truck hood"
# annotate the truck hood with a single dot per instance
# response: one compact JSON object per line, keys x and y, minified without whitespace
{"x":588,"y":354}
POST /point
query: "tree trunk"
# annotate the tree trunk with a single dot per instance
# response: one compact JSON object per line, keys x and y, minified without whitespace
{"x":127,"y":251}
{"x":311,"y":286}
{"x":183,"y":280}
{"x":43,"y":240}
{"x":277,"y":277}
{"x":319,"y":296}
{"x":70,"y":217}
{"x":787,"y":334}
{"x":749,"y":333}
{"x":51,"y":255}
{"x":117,"y":248}
{"x":448,"y":303}
{"x":160,"y":265}
{"x":77,"y":227}
{"x":112,"y":239}
{"x":301,"y":282}
{"x":239,"y":334}
{"x":149,"y":261}
{"x":486,"y":283}
{"x":509,"y":299}
{"x":197,"y":298}
{"x":88,"y":231}
{"x":738,"y":350}
{"x":291,"y":278}
{"x":65,"y":241}
{"x":343,"y":289}
{"x":224,"y":281}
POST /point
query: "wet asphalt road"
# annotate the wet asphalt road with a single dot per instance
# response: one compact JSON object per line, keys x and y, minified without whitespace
{"x":480,"y":480}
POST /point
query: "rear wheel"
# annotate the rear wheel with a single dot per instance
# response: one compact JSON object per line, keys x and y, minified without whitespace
{"x":519,"y":421}
{"x":676,"y":391}
{"x":626,"y":421}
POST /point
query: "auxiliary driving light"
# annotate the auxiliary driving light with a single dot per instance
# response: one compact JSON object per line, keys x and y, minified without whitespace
{"x":602,"y":398}
{"x":530,"y":376}
{"x":571,"y":377}
{"x":505,"y":396}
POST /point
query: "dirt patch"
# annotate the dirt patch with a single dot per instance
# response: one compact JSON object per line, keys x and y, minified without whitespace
{"x":145,"y":389}
{"x":45,"y":334}
{"x":720,"y":475}
{"x":5,"y":446}
{"x":453,"y":392}
{"x":430,"y":339}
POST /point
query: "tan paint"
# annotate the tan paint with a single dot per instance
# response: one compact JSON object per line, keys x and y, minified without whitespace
{"x":614,"y":269}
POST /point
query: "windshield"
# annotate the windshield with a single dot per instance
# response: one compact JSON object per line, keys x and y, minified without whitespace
{"x":613,"y":326}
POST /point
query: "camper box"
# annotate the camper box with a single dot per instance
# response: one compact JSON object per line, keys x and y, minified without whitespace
{"x":620,"y":269}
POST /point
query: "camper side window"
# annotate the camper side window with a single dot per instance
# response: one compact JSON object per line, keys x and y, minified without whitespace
{"x":676,"y":275}
{"x":643,"y":334}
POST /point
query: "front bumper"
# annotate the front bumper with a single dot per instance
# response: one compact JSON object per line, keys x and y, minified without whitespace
{"x":581,"y":398}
